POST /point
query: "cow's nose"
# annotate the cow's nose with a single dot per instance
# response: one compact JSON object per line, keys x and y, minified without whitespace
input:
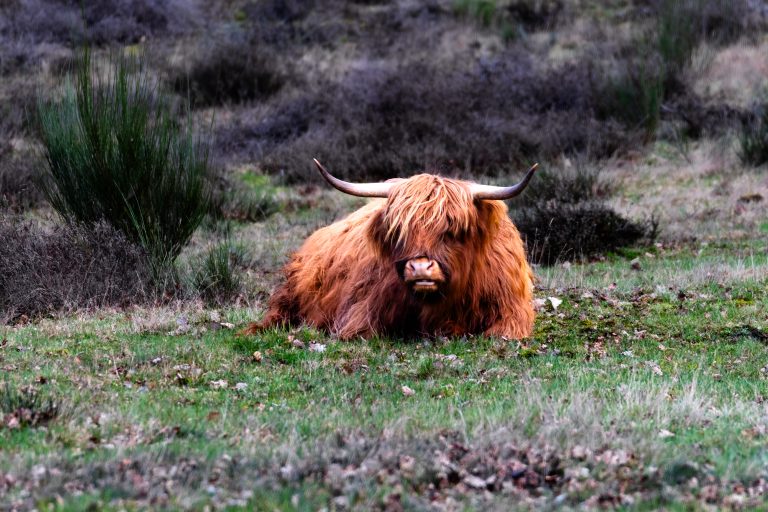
{"x":420,"y":266}
{"x":423,"y":269}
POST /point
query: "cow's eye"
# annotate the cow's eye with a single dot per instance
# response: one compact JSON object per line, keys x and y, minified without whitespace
{"x":450,"y":236}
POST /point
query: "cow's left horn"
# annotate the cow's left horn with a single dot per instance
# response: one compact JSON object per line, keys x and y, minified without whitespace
{"x":355,"y":189}
{"x":501,"y":193}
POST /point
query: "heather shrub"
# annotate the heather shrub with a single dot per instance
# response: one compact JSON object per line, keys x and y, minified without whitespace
{"x":100,"y":22}
{"x":556,"y":232}
{"x":18,"y":159}
{"x":562,"y":216}
{"x":511,"y":17}
{"x":753,"y":137}
{"x":535,"y":14}
{"x":115,"y":152}
{"x":68,"y":268}
{"x":18,"y":186}
{"x":380,"y":123}
{"x":233,"y":70}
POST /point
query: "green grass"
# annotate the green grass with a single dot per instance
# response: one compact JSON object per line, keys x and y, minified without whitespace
{"x":596,"y":388}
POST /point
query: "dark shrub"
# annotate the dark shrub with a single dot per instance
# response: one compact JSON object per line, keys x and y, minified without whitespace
{"x":535,"y":14}
{"x":380,"y":123}
{"x":233,"y":71}
{"x":510,"y":17}
{"x":573,"y":185}
{"x":18,"y":187}
{"x":17,"y":109}
{"x":218,"y":279}
{"x":555,"y":232}
{"x":98,"y":22}
{"x":43,"y":272}
{"x":753,"y":137}
{"x":115,"y":152}
{"x":562,"y":216}
{"x":18,"y":159}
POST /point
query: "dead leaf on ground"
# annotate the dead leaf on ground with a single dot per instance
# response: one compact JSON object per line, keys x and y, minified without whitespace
{"x":555,"y":302}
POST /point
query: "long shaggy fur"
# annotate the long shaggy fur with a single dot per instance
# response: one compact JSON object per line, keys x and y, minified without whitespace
{"x":344,"y":278}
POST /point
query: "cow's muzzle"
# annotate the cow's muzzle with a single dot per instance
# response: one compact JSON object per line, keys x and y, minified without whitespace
{"x":423,"y":275}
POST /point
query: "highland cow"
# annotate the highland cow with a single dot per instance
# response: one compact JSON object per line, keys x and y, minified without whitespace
{"x":433,"y":256}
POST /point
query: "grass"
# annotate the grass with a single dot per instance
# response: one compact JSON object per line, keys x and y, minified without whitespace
{"x":644,"y":397}
{"x":644,"y":389}
{"x":218,"y":276}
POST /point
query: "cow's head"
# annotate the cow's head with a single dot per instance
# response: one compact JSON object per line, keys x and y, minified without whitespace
{"x":430,"y":226}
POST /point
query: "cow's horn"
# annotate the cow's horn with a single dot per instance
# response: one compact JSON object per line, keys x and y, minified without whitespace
{"x":355,"y":189}
{"x":501,"y":193}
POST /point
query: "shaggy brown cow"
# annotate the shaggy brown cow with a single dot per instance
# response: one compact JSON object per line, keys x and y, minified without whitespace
{"x":434,"y":256}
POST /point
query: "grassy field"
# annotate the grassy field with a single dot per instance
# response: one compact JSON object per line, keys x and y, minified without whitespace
{"x":643,"y":386}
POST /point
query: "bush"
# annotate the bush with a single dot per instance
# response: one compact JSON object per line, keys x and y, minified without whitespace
{"x":380,"y":123}
{"x":218,"y":278}
{"x":562,"y":216}
{"x":232,"y":71}
{"x":753,"y":137}
{"x":512,"y":16}
{"x":69,"y":268}
{"x":535,"y":14}
{"x":115,"y":152}
{"x":98,"y":22}
{"x":573,"y":185}
{"x":18,"y":187}
{"x":557,"y":232}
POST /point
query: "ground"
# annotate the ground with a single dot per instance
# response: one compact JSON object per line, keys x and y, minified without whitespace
{"x":643,"y":386}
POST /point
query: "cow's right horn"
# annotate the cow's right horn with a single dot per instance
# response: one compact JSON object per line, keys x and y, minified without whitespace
{"x":355,"y":189}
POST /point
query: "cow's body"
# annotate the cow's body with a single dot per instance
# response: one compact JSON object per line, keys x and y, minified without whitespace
{"x":348,"y":277}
